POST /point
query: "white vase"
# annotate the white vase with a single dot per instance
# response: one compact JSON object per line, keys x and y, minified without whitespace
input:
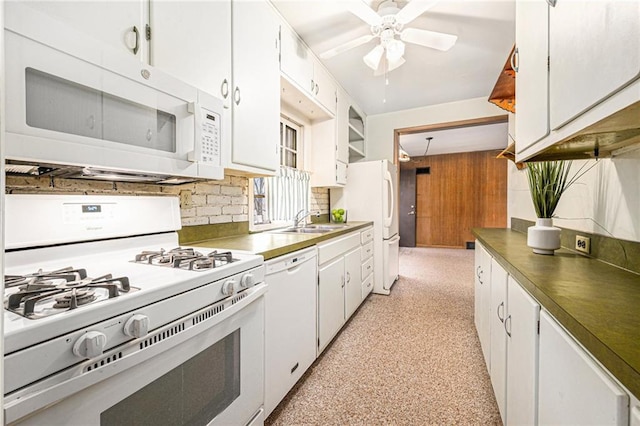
{"x":543,"y":238}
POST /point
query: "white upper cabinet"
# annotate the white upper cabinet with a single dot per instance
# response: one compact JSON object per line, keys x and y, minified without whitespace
{"x":107,"y":21}
{"x":342,"y":116}
{"x":300,"y":66}
{"x":578,"y":64}
{"x":532,"y":81}
{"x":594,"y":51}
{"x":256,"y":87}
{"x":191,"y":41}
{"x":324,"y":88}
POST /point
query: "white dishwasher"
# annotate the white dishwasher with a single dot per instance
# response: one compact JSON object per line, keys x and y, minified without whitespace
{"x":290,"y":322}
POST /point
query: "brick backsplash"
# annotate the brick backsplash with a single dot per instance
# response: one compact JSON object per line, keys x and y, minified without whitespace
{"x":320,"y":200}
{"x":201,"y":203}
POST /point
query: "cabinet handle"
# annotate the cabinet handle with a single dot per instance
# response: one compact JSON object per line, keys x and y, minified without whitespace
{"x":552,"y":3}
{"x":478,"y":271}
{"x":508,"y":331}
{"x":136,"y":47}
{"x":501,"y":318}
{"x":317,"y":88}
{"x":342,"y":283}
{"x":312,"y":85}
{"x":514,"y":59}
{"x":236,"y":96}
{"x":348,"y":277}
{"x":224,"y":88}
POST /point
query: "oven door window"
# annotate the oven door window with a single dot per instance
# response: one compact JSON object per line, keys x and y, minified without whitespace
{"x":193,"y":393}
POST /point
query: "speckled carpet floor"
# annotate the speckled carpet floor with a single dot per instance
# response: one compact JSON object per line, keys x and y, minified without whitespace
{"x":411,"y":358}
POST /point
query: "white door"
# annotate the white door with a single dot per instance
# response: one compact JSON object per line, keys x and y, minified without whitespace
{"x":498,"y":351}
{"x":390,"y":261}
{"x":484,"y":305}
{"x":603,"y":34}
{"x":521,"y":325}
{"x":331,"y":281}
{"x":256,"y":85}
{"x":353,"y":281}
{"x":296,"y":62}
{"x":342,"y":118}
{"x":573,"y":389}
{"x":324,"y":87}
{"x":108,"y":21}
{"x":635,"y":416}
{"x":389,"y":199}
{"x":532,"y":44}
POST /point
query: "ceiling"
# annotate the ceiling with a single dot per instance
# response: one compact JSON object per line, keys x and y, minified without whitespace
{"x":485,"y":30}
{"x":463,"y":139}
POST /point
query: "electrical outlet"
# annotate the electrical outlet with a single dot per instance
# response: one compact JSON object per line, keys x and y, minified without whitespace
{"x":583,"y":244}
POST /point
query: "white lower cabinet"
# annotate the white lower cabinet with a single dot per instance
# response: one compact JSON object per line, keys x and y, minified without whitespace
{"x":353,"y":282}
{"x":498,"y":367}
{"x":483,"y":300}
{"x":290,"y":322}
{"x":339,"y":284}
{"x":573,"y":389}
{"x":521,"y":325}
{"x":635,"y":416}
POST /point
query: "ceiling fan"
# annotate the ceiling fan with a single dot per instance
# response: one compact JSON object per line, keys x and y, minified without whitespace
{"x":387,"y":24}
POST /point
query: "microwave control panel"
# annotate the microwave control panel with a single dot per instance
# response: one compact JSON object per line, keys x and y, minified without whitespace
{"x":209,"y":137}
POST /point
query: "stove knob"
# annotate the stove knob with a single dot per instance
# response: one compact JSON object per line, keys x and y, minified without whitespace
{"x":90,"y":344}
{"x":137,"y":326}
{"x":228,"y":288}
{"x":248,"y":280}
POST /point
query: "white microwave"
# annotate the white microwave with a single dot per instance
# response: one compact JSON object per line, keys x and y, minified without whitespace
{"x":77,"y":103}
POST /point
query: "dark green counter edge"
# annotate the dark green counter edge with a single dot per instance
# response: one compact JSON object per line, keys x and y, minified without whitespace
{"x":599,"y":304}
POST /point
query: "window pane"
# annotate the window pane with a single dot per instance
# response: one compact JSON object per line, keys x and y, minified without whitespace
{"x":291,"y":141}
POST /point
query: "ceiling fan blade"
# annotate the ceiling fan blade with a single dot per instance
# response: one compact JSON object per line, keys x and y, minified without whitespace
{"x":373,"y":58}
{"x":432,"y":39}
{"x":364,"y":12}
{"x":346,"y":46}
{"x":413,"y":9}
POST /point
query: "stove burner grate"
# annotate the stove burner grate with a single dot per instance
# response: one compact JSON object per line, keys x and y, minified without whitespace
{"x":185,"y":258}
{"x":67,"y":274}
{"x":38,"y":289}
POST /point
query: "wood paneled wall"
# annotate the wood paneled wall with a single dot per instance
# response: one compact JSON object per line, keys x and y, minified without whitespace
{"x":462,"y":191}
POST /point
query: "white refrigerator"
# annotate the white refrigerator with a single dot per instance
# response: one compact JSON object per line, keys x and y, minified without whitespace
{"x":370,"y":194}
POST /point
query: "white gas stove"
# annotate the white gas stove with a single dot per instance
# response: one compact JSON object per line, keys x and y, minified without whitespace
{"x":87,"y":276}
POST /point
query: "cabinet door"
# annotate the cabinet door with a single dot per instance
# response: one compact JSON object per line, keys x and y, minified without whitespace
{"x":324,"y":87}
{"x":331,"y":281}
{"x":573,"y":389}
{"x":191,"y":40}
{"x":107,"y":21}
{"x":595,"y":51}
{"x":635,"y":416}
{"x":353,"y":286}
{"x":483,"y":301}
{"x":256,"y":86}
{"x":341,"y":173}
{"x":532,"y":80}
{"x":498,"y":350}
{"x":342,"y":119}
{"x":521,"y":325}
{"x":295,"y":60}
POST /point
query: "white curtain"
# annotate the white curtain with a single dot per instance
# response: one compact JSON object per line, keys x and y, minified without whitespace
{"x":289,"y":192}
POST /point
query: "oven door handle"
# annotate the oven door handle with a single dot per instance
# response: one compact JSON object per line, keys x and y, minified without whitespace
{"x":43,"y":394}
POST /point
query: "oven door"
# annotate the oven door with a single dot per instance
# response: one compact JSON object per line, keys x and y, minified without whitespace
{"x":75,"y":101}
{"x":205,"y":369}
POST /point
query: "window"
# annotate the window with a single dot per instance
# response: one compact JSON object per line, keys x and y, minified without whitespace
{"x":275,"y":200}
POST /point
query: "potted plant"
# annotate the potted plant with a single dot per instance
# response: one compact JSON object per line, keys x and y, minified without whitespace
{"x":547,"y":182}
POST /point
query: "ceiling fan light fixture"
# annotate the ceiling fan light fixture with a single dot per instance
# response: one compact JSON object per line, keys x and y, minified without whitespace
{"x":395,"y":51}
{"x":403,"y":157}
{"x":372,"y":59}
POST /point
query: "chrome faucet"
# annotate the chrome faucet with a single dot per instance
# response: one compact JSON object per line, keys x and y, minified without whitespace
{"x":301,"y":215}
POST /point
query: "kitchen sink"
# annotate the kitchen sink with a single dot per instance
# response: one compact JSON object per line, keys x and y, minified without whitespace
{"x":319,"y":228}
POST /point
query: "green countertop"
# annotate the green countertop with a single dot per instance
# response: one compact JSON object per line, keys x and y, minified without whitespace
{"x":272,"y":244}
{"x":599,"y":304}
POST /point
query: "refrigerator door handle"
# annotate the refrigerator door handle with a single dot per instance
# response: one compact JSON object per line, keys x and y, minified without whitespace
{"x":390,"y":207}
